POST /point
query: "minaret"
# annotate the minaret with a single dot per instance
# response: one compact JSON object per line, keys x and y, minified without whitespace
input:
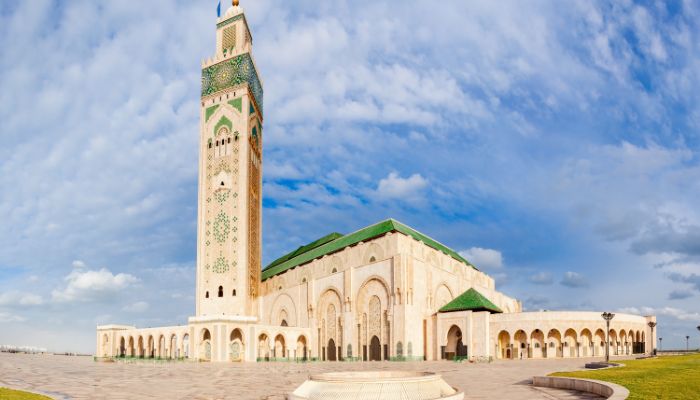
{"x":230,"y":174}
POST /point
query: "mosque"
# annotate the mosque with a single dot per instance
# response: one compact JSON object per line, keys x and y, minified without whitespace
{"x":384,"y":292}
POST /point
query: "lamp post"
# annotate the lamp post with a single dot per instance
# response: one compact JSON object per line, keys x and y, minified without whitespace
{"x":687,"y":343}
{"x":698,"y":331}
{"x":661,"y":347}
{"x":607,"y":317}
{"x":652,"y":324}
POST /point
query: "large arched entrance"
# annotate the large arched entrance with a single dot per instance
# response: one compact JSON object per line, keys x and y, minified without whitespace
{"x":302,"y":350}
{"x":186,"y":345}
{"x":375,"y":349}
{"x":236,"y":345}
{"x":504,"y":347}
{"x":331,"y":351}
{"x":174,"y":351}
{"x":455,"y":347}
{"x":122,"y":347}
{"x":263,"y":347}
{"x":280,"y":347}
{"x":205,"y":346}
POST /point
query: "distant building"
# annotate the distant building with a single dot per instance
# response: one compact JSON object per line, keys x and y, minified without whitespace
{"x":385,"y":292}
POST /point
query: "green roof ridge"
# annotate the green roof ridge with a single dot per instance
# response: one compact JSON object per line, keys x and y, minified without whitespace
{"x":321,"y":248}
{"x":303,"y":249}
{"x":470,"y":300}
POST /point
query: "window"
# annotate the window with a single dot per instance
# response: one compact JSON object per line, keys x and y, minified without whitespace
{"x":217,"y":143}
{"x":303,"y":280}
{"x":284,"y":322}
{"x":207,"y":295}
{"x":334,"y":271}
{"x":372,"y":259}
{"x":234,"y":292}
{"x":229,"y":140}
{"x":221,"y":291}
{"x":210,"y":145}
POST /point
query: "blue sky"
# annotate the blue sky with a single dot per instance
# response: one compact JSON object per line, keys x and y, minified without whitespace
{"x":555,"y":144}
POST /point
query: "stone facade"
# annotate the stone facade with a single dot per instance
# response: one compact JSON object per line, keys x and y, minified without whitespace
{"x":375,"y":294}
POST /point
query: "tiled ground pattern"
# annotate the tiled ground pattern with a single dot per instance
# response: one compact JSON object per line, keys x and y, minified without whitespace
{"x":65,"y":377}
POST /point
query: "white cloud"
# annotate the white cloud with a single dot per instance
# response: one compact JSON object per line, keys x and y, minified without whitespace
{"x":7,"y":317}
{"x":396,"y":187}
{"x":483,"y":258}
{"x":542,"y":278}
{"x":574,"y":280}
{"x":15,"y":298}
{"x":676,"y":313}
{"x":92,"y":284}
{"x":78,"y":264}
{"x":137,"y":307}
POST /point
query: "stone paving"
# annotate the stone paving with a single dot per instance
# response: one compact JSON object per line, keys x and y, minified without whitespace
{"x":64,"y":377}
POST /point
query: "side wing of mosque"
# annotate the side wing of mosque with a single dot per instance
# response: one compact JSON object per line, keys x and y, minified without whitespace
{"x":384,"y":292}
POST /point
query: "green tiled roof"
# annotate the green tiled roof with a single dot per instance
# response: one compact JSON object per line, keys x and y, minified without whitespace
{"x":304,"y":249}
{"x":470,"y":300}
{"x":336,"y":242}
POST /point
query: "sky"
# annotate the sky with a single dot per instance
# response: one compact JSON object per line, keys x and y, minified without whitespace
{"x":554,"y":144}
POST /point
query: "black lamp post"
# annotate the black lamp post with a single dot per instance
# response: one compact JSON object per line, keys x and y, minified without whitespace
{"x":698,"y":331}
{"x":652,"y":324}
{"x":661,"y":347}
{"x":607,"y":317}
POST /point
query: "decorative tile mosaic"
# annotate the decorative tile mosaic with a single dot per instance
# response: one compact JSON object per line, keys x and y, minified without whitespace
{"x":236,"y":71}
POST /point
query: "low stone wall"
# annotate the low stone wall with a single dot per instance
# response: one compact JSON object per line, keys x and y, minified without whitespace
{"x":608,"y":390}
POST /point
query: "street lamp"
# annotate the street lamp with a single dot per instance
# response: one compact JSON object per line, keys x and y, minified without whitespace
{"x":652,"y":324}
{"x":661,"y":347}
{"x":698,"y":331}
{"x":607,"y":317}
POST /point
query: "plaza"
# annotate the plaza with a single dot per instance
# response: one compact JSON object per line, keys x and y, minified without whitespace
{"x":64,"y":377}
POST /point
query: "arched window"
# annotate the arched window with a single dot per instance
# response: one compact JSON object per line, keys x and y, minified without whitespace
{"x":334,"y":271}
{"x":372,"y":259}
{"x":229,"y":140}
{"x":206,"y":295}
{"x":234,"y":292}
{"x":217,"y":143}
{"x":284,"y":323}
{"x":221,"y":291}
{"x":303,"y":280}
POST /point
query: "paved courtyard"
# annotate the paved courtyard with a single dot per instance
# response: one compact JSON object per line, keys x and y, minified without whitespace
{"x":65,"y":377}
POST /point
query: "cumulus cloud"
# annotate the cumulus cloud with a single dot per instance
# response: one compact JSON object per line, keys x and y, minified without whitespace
{"x":396,"y":187}
{"x":693,"y":279}
{"x":672,"y":312}
{"x":574,"y":280}
{"x":15,"y":298}
{"x":86,"y":285}
{"x":542,"y":278}
{"x":680,"y":295}
{"x":483,"y":258}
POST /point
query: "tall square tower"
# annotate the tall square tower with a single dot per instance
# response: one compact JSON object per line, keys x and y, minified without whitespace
{"x":230,"y":174}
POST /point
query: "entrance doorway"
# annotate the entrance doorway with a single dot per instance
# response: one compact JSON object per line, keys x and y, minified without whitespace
{"x":331,"y":350}
{"x":375,"y":349}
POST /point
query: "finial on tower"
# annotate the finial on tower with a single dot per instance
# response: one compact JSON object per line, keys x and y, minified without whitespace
{"x":235,"y":3}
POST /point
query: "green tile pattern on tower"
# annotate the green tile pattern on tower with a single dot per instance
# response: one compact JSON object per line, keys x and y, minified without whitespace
{"x":336,"y":242}
{"x":233,"y":72}
{"x":471,"y":300}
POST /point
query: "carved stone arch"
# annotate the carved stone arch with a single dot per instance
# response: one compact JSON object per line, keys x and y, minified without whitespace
{"x":373,"y":253}
{"x":443,"y":295}
{"x":328,"y":295}
{"x":283,"y":302}
{"x":372,"y":285}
